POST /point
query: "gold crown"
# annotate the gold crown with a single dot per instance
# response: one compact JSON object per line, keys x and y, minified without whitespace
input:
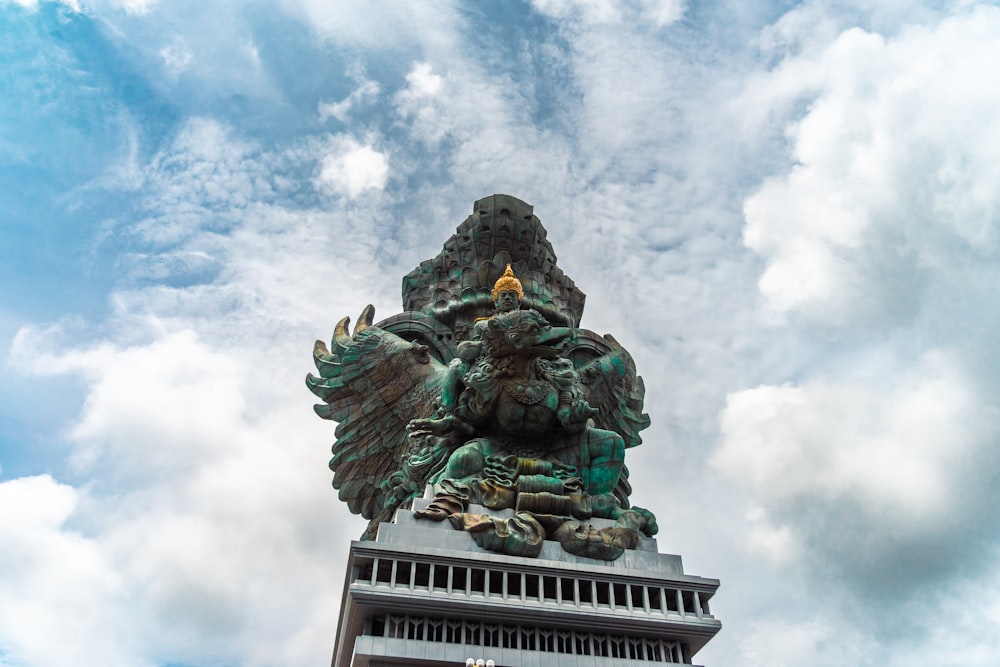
{"x":508,"y":282}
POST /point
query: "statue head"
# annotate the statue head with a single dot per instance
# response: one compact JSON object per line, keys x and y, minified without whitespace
{"x":507,"y":292}
{"x":523,"y":333}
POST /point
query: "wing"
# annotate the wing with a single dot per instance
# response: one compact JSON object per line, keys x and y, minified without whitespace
{"x":616,"y":392}
{"x":613,"y":388}
{"x":373,"y":383}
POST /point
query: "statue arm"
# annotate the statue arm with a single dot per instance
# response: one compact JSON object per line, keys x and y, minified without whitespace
{"x":445,"y":419}
{"x":574,"y":412}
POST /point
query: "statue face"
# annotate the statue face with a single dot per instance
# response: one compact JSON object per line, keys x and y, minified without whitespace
{"x":507,"y":300}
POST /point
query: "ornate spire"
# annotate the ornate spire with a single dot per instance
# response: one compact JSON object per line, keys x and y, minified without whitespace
{"x":502,"y":230}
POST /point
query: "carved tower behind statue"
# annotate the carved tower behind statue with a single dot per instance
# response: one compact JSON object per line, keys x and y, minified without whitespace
{"x":483,"y":434}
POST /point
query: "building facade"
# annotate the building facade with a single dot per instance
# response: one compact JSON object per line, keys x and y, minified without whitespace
{"x":424,"y":594}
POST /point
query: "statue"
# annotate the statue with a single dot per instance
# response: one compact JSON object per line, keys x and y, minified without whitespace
{"x":492,"y":394}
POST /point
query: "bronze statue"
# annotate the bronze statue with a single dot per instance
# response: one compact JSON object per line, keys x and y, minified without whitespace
{"x":515,"y":409}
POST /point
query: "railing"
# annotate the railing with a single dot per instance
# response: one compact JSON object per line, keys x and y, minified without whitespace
{"x":482,"y":583}
{"x":522,"y":637}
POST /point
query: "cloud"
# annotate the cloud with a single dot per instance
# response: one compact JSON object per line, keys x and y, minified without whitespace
{"x":33,"y":4}
{"x":597,"y":12}
{"x":352,"y":168}
{"x":787,"y":643}
{"x":202,"y":178}
{"x":379,"y":25}
{"x":198,"y":523}
{"x":878,"y":478}
{"x":425,"y":105}
{"x":130,"y":417}
{"x":206,"y":487}
{"x":880,"y":243}
{"x":176,"y":56}
{"x":206,"y":493}
{"x":423,"y":81}
{"x":139,"y":7}
{"x":893,"y":190}
{"x":56,"y":582}
{"x":366,"y":91}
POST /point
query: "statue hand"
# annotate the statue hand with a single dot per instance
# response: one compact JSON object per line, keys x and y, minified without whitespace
{"x":430,"y":426}
{"x":639,"y":518}
{"x":575,"y":419}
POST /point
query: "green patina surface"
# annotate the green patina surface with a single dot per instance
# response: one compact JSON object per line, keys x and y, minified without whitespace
{"x":496,"y":397}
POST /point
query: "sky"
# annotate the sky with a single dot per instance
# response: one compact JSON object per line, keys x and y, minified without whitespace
{"x":789,"y":213}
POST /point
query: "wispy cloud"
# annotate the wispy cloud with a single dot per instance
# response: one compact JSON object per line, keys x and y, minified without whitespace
{"x":789,"y":218}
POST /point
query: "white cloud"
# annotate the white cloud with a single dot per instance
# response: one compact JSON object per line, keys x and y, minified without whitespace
{"x":881,"y":244}
{"x":781,"y":642}
{"x":658,"y":13}
{"x":592,"y":11}
{"x":778,"y":543}
{"x":617,"y":133}
{"x":381,"y":24}
{"x":366,"y":91}
{"x":431,"y":115}
{"x":33,"y":4}
{"x":352,"y":168}
{"x":423,"y":81}
{"x":662,"y":12}
{"x":202,"y":178}
{"x":177,"y":56}
{"x":856,"y":471}
{"x":894,"y":185}
{"x":138,"y":7}
{"x":199,"y":524}
{"x":158,"y":406}
{"x":208,"y":493}
{"x":56,"y":582}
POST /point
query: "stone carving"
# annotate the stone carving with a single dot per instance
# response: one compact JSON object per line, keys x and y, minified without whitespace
{"x":486,"y":388}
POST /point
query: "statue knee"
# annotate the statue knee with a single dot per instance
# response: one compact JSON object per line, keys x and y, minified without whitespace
{"x":606,"y":445}
{"x":467,"y":460}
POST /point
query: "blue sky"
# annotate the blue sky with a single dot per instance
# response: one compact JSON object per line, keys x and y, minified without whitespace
{"x":788,"y":212}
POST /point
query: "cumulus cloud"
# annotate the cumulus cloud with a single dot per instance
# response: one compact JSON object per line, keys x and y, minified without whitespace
{"x":204,"y":474}
{"x":56,"y":582}
{"x":426,"y":106}
{"x":890,"y":450}
{"x":352,"y":168}
{"x":876,"y":478}
{"x":201,"y":492}
{"x":423,"y":81}
{"x":814,"y":641}
{"x":893,"y":189}
{"x":124,"y":403}
{"x":880,"y":239}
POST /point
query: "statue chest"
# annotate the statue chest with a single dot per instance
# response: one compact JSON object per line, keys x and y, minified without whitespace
{"x":527,"y":407}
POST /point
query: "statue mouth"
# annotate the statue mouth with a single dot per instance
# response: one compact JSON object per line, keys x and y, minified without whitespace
{"x":552,"y":341}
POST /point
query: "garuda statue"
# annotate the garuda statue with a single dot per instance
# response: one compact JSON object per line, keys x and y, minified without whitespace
{"x":486,"y":389}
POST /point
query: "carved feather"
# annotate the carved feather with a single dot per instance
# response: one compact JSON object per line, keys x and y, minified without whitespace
{"x":613,"y":388}
{"x":372,"y":383}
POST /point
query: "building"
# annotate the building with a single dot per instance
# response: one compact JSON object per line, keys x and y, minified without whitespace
{"x":425,"y":594}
